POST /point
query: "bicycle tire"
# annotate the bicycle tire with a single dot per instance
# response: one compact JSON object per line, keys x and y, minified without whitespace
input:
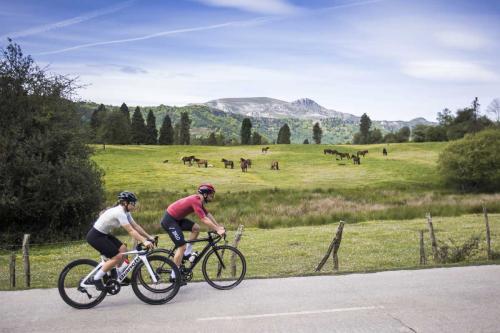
{"x":167,"y":289}
{"x":65,"y":284}
{"x":228,"y":277}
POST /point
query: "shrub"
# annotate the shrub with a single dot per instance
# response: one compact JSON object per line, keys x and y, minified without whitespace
{"x":472,"y":163}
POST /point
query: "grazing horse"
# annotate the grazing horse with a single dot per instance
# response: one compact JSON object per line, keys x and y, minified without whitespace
{"x":274,"y":165}
{"x":201,"y":162}
{"x":264,"y":150}
{"x":362,"y":152}
{"x":228,"y":163}
{"x":330,"y":151}
{"x":243,"y":165}
{"x":356,"y":159}
{"x":249,"y":162}
{"x":384,"y":152}
{"x":189,"y":159}
{"x":342,"y":155}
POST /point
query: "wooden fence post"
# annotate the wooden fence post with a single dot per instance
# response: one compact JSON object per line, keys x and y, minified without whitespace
{"x":433,"y":238}
{"x":423,"y":259}
{"x":488,"y":239}
{"x":334,"y":246}
{"x":26,"y":260}
{"x":237,"y":239}
{"x":12,"y":266}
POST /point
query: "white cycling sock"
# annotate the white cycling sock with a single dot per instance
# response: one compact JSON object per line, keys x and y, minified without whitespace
{"x":189,"y":249}
{"x":172,"y":275}
{"x":99,"y":274}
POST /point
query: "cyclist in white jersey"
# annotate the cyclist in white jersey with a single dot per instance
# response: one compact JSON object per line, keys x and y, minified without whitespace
{"x":100,"y":238}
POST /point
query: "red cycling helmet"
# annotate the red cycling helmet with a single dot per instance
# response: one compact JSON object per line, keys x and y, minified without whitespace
{"x":206,"y":188}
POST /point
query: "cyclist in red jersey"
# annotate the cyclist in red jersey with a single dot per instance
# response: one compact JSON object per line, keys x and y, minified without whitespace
{"x":174,"y":220}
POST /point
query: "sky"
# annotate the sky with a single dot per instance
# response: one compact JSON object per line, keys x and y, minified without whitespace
{"x":391,"y":59}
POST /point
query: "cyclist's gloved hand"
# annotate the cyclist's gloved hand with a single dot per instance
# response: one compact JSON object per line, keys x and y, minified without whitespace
{"x":148,"y":244}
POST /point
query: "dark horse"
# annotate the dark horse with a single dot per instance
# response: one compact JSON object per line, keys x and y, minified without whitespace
{"x":243,"y":165}
{"x":330,"y":151}
{"x":384,"y":152}
{"x":274,"y":165}
{"x":356,"y":159}
{"x":342,"y":155}
{"x":248,"y":161}
{"x":189,"y":159}
{"x":362,"y":152}
{"x":264,"y":150}
{"x":228,"y":163}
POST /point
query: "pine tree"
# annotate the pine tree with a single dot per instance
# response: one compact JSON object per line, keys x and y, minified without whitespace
{"x":114,"y":129}
{"x":166,"y":132}
{"x":256,"y":138}
{"x":177,"y":130}
{"x":96,"y":121}
{"x":364,"y":128}
{"x":138,"y":129}
{"x":125,"y":111}
{"x":212,"y":140}
{"x":184,"y":134}
{"x":152,"y":132}
{"x":127,"y":128}
{"x":246,"y":131}
{"x":284,"y":135}
{"x":317,"y":133}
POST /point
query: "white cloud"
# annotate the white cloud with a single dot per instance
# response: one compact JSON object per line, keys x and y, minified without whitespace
{"x":449,"y":70}
{"x":258,"y":6}
{"x":462,"y":40}
{"x":68,"y":22}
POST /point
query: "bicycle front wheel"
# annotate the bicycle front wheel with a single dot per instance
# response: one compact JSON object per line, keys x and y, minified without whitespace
{"x":69,"y":285}
{"x":164,"y":289}
{"x":224,"y":267}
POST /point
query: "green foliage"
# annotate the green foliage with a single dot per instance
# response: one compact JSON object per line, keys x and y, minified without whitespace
{"x":436,"y":134}
{"x":375,"y":136}
{"x":317,"y":133}
{"x":284,"y":135}
{"x":184,"y":129}
{"x":49,"y":186}
{"x":114,"y":129}
{"x":138,"y":128}
{"x":96,"y":122}
{"x":125,"y":111}
{"x":246,"y":131}
{"x":472,"y":163}
{"x":212,"y":140}
{"x":152,"y":132}
{"x":306,"y":141}
{"x":256,"y":138}
{"x":166,"y":132}
{"x":364,"y":128}
{"x":403,"y":135}
{"x":419,"y":133}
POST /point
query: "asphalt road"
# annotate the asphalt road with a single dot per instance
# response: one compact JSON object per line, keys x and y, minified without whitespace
{"x":465,"y":299}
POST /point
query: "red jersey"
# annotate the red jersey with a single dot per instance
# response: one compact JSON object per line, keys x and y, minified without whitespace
{"x":185,"y":206}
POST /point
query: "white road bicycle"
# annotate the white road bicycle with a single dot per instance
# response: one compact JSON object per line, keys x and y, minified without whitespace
{"x":150,"y":280}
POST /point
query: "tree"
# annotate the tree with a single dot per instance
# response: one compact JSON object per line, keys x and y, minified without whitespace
{"x":184,"y":134}
{"x":177,"y":130}
{"x":152,"y":132}
{"x":317,"y":133}
{"x":390,"y":138}
{"x":436,"y":134}
{"x":125,"y":111}
{"x":306,"y":142}
{"x":494,"y":109}
{"x":246,"y":131}
{"x":403,"y":135}
{"x":375,"y":136}
{"x":212,"y":140}
{"x":419,"y":133}
{"x":114,"y":129}
{"x":138,"y":129}
{"x":284,"y":135}
{"x":96,"y":121}
{"x":445,"y":118}
{"x":459,"y":170}
{"x":364,"y":128}
{"x":50,"y":187}
{"x":166,"y":132}
{"x":256,"y":138}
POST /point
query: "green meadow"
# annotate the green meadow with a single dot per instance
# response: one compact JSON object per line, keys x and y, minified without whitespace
{"x":291,"y":215}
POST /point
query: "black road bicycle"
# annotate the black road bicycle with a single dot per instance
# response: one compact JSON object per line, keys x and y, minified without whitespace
{"x":223,"y":266}
{"x":150,"y":280}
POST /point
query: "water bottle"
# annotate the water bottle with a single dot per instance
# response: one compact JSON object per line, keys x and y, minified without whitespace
{"x":193,"y":257}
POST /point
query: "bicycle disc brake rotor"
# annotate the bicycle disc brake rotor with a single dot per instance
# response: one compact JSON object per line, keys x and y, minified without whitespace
{"x":113,"y":287}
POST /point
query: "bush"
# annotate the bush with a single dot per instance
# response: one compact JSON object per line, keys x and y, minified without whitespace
{"x":472,"y":163}
{"x":49,"y":186}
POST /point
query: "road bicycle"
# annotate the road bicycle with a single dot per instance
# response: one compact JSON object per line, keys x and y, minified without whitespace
{"x":223,"y":266}
{"x":150,"y":280}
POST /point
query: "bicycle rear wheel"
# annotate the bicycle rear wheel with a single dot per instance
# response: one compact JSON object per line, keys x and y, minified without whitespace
{"x":159,"y":292}
{"x":69,"y":285}
{"x":224,"y":267}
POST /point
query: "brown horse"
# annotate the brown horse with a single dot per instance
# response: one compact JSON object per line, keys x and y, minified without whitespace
{"x":384,"y":152}
{"x":362,"y":152}
{"x":264,"y":150}
{"x":274,"y":165}
{"x":356,"y":159}
{"x":249,"y":162}
{"x":188,"y":159}
{"x":228,"y":163}
{"x":342,"y":155}
{"x":201,"y":162}
{"x":243,"y":165}
{"x":330,"y":151}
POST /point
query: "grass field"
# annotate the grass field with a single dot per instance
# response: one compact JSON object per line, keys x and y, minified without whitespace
{"x":366,"y":246}
{"x":291,"y":215}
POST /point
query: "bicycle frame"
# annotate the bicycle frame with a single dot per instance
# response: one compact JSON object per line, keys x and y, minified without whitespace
{"x":211,"y":241}
{"x":140,"y":256}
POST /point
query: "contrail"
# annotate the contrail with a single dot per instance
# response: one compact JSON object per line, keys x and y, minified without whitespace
{"x":71,"y":21}
{"x":352,"y":4}
{"x":164,"y":33}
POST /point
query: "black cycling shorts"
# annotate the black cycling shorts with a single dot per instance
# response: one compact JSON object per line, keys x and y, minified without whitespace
{"x":175,"y":227}
{"x":107,"y":245}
